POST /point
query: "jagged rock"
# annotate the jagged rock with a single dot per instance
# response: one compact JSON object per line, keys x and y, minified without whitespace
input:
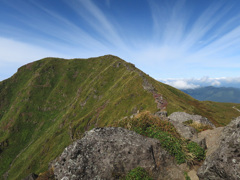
{"x":185,"y":131}
{"x":224,"y":163}
{"x":109,"y":153}
{"x":178,"y":119}
{"x":212,"y":138}
{"x":182,"y":117}
{"x":201,"y":141}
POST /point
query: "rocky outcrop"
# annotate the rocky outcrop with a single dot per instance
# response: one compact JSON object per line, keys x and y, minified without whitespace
{"x":182,"y":117}
{"x":178,"y":119}
{"x":212,"y":139}
{"x":224,"y":162}
{"x":110,"y":153}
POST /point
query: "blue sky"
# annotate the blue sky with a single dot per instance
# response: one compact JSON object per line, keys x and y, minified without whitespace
{"x":180,"y":42}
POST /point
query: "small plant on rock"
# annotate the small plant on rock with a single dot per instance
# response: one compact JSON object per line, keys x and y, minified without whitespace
{"x":138,"y":173}
{"x":152,"y":126}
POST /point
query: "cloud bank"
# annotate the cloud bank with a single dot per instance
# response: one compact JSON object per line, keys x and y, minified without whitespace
{"x":202,"y":82}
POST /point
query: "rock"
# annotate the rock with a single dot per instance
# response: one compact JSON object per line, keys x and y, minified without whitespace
{"x":193,"y":175}
{"x":212,"y":138}
{"x":182,"y":117}
{"x":110,"y":153}
{"x":185,"y":131}
{"x":224,"y":162}
{"x":31,"y":176}
{"x":201,"y":142}
{"x":178,"y":119}
{"x":161,"y":114}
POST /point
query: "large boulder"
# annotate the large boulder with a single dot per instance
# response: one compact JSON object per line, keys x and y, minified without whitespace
{"x":110,"y":153}
{"x":184,"y":130}
{"x":224,"y":162}
{"x":212,"y":139}
{"x":182,"y":117}
{"x":178,"y":119}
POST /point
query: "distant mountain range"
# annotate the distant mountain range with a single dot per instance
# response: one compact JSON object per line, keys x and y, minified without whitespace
{"x":217,"y":94}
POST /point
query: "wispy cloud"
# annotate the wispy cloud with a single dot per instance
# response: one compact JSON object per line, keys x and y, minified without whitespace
{"x":183,"y":37}
{"x":95,"y":17}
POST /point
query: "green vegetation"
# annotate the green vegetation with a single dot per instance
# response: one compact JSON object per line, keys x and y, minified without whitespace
{"x":138,"y":173}
{"x":186,"y":176}
{"x":49,"y":103}
{"x":149,"y":125}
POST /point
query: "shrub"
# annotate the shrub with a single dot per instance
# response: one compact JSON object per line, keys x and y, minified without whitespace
{"x":145,"y":120}
{"x":186,"y":176}
{"x":152,"y":126}
{"x":197,"y":151}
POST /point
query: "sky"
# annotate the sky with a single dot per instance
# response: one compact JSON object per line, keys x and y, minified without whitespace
{"x":184,"y":43}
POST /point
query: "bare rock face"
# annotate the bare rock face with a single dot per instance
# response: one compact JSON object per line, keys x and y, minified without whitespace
{"x":212,"y":139}
{"x":185,"y":131}
{"x":224,"y":162}
{"x":178,"y":119}
{"x":110,"y":153}
{"x":182,"y":117}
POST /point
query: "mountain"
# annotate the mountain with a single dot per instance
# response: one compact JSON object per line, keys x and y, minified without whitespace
{"x":217,"y":94}
{"x":51,"y":102}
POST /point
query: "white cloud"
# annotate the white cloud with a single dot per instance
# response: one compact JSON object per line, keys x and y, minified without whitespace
{"x":98,"y":20}
{"x":15,"y":51}
{"x":216,"y":83}
{"x":181,"y":84}
{"x":193,"y":83}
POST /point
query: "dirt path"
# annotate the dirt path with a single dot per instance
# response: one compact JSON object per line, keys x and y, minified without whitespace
{"x":236,"y":108}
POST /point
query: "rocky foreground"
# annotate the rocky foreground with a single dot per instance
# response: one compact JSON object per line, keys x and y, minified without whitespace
{"x":224,"y":163}
{"x":110,"y":153}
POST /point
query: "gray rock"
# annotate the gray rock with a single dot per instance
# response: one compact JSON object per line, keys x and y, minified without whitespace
{"x":182,"y":117}
{"x":224,"y":163}
{"x":109,"y":153}
{"x":185,"y":131}
{"x":188,"y":132}
{"x":201,"y":142}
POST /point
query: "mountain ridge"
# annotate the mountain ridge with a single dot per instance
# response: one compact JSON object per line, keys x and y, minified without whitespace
{"x":51,"y":102}
{"x":217,"y":94}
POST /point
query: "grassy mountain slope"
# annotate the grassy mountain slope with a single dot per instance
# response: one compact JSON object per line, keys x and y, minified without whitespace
{"x":218,"y":94}
{"x":49,"y":103}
